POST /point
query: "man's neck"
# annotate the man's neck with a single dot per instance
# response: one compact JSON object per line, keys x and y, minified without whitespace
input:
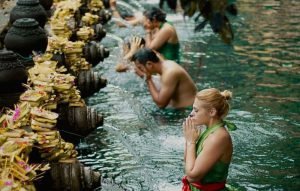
{"x":159,"y":67}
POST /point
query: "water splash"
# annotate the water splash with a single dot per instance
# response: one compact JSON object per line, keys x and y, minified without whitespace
{"x":128,"y":6}
{"x":136,"y":3}
{"x":124,"y":22}
{"x":137,"y":107}
{"x":135,"y":153}
{"x":115,"y":37}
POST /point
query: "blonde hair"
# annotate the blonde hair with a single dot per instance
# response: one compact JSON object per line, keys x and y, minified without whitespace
{"x":216,"y":99}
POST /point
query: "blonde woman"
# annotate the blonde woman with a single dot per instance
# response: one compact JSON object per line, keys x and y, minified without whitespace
{"x":207,"y":154}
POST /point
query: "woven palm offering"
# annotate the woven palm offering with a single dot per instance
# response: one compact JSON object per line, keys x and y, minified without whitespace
{"x":16,"y":142}
{"x":85,"y":33}
{"x":90,"y":19}
{"x":95,"y":5}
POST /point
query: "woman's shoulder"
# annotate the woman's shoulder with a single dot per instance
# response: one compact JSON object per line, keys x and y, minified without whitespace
{"x":168,"y":26}
{"x":223,"y":133}
{"x":170,"y":30}
{"x":220,"y":136}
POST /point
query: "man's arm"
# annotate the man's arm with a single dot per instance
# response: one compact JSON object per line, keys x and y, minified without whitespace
{"x":168,"y":86}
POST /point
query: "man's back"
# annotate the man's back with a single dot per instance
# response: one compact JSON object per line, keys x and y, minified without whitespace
{"x":185,"y":90}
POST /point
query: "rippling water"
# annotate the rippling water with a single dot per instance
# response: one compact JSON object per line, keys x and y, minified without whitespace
{"x":141,"y":147}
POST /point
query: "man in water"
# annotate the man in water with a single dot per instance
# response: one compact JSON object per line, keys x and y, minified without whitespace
{"x":177,"y":88}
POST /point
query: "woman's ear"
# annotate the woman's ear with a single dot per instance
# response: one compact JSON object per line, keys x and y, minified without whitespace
{"x":213,"y":112}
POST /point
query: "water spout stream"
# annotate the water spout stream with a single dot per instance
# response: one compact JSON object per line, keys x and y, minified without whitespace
{"x":128,"y":6}
{"x":141,"y":8}
{"x":115,"y":37}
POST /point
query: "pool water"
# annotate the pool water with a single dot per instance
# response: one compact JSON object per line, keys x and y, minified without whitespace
{"x":140,"y":147}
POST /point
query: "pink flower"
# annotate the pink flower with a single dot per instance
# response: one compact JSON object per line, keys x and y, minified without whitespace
{"x":8,"y":183}
{"x":27,"y":168}
{"x":16,"y":114}
{"x":22,"y":163}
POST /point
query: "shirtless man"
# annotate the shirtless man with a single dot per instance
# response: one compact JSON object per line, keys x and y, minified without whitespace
{"x":177,"y":89}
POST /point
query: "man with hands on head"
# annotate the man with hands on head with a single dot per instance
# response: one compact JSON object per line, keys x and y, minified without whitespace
{"x":135,"y":44}
{"x":129,"y":48}
{"x":177,"y":88}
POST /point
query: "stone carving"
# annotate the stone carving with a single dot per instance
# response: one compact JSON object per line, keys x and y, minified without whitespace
{"x":25,"y":36}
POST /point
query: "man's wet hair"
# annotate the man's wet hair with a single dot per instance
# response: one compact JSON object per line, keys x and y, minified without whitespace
{"x":144,"y":55}
{"x":155,"y":13}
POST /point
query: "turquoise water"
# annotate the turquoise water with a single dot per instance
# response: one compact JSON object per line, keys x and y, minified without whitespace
{"x":140,"y":147}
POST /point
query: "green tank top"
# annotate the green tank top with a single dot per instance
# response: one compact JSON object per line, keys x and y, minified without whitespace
{"x":219,"y":171}
{"x":169,"y":50}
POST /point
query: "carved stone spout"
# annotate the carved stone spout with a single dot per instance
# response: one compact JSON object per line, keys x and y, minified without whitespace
{"x":100,"y":32}
{"x":69,"y":175}
{"x":89,"y":82}
{"x":79,"y":121}
{"x":104,"y":16}
{"x":94,"y":52}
